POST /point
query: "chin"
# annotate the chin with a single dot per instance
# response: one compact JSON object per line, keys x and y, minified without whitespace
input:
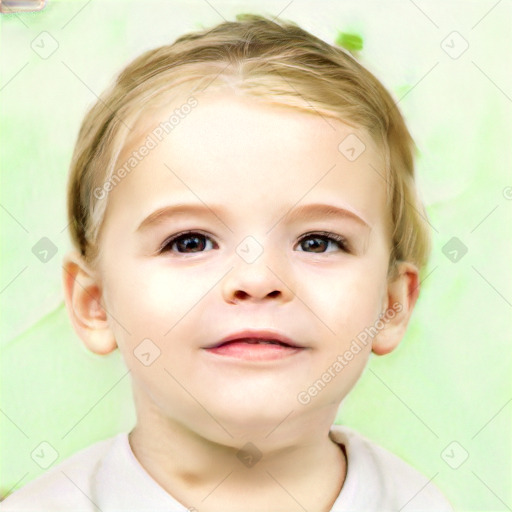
{"x":252,"y":416}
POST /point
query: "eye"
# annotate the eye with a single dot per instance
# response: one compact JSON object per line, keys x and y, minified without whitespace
{"x":320,"y":241}
{"x":190,"y":242}
{"x":186,"y":243}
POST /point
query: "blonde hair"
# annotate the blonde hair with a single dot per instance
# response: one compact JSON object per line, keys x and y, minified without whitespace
{"x":275,"y":61}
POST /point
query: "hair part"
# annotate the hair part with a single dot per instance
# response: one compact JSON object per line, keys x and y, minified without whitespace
{"x":274,"y":61}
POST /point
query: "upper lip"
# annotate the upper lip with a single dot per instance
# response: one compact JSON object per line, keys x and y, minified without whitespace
{"x":257,"y":334}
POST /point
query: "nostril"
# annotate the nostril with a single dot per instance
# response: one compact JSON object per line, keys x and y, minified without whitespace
{"x":241,"y":295}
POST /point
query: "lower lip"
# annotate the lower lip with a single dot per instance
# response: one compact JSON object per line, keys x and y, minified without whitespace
{"x":254,"y":351}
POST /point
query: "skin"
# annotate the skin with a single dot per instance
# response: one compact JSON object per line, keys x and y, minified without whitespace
{"x":195,"y":411}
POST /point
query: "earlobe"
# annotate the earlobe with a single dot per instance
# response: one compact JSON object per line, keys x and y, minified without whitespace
{"x":83,"y":296}
{"x":402,"y":294}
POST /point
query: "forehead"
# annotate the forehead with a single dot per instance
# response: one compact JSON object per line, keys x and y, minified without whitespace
{"x":249,"y":155}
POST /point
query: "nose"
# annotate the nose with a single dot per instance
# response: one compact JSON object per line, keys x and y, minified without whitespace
{"x":262,"y":280}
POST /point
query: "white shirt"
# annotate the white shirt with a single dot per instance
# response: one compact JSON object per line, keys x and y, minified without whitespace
{"x":106,"y":476}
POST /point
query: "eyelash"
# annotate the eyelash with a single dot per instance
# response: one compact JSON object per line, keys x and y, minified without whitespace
{"x":327,"y":235}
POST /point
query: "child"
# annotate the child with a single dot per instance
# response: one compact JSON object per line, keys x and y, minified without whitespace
{"x":253,"y":139}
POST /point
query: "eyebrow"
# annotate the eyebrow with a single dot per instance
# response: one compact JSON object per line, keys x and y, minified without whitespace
{"x":320,"y":210}
{"x":304,"y":212}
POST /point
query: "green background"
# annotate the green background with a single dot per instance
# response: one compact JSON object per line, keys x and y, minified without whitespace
{"x":450,"y":380}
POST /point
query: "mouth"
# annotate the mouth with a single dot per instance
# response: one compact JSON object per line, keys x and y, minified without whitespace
{"x":256,"y":338}
{"x":255,"y":346}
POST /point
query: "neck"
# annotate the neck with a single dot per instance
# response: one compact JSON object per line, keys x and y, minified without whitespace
{"x":301,"y":468}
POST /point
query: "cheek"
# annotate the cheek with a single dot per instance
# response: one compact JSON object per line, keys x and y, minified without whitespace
{"x":149,"y":299}
{"x":347,"y":298}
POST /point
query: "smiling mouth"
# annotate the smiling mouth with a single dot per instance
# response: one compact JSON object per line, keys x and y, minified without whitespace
{"x":254,"y":349}
{"x":255,"y":341}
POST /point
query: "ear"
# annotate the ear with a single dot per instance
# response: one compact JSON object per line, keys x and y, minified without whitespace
{"x":83,"y":295}
{"x":402,"y":294}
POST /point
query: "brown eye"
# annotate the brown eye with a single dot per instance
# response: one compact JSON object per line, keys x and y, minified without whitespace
{"x":186,"y":243}
{"x":319,"y":242}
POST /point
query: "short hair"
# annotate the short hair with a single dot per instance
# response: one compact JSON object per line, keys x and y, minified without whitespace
{"x":272,"y":60}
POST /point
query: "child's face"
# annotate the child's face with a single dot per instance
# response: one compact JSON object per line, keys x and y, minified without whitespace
{"x":246,"y":167}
